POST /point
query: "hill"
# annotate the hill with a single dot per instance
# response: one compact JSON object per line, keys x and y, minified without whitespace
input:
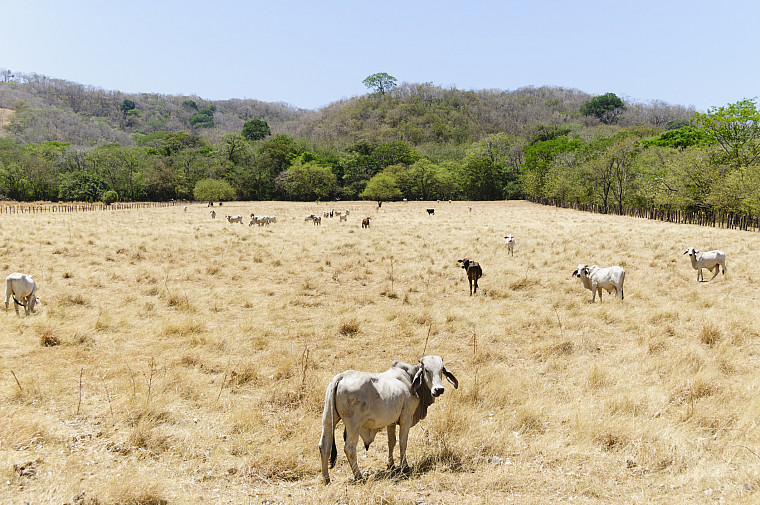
{"x":49,"y":109}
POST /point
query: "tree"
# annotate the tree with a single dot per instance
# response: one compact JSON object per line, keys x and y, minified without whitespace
{"x":213,"y":189}
{"x":382,"y":187}
{"x":606,"y":107}
{"x":736,"y":129}
{"x":109,"y":197}
{"x":126,"y":106}
{"x":204,"y":118}
{"x":308,"y":181}
{"x":392,"y":153}
{"x":256,"y":129}
{"x":681,"y":138}
{"x":380,"y":82}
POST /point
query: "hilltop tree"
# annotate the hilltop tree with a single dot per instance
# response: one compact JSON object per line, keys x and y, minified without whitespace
{"x":256,"y":129}
{"x":606,"y":107}
{"x":380,"y":82}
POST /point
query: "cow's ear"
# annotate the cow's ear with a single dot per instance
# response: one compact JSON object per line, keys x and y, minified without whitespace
{"x":418,"y":378}
{"x":450,"y":377}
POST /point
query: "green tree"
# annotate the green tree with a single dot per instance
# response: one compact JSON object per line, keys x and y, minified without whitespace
{"x":83,"y":186}
{"x":736,"y":130}
{"x":213,"y":189}
{"x":482,"y":179}
{"x":109,"y":197}
{"x":606,"y":107}
{"x":256,"y":129}
{"x":204,"y":118}
{"x":392,"y":153}
{"x":681,"y":138}
{"x":380,"y":82}
{"x":381,"y":187}
{"x":308,"y":181}
{"x":126,"y":106}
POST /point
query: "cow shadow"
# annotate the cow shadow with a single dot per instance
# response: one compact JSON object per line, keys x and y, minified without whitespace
{"x":425,"y":465}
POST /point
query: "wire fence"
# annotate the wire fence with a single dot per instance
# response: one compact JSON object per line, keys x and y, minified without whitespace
{"x":728,"y":220}
{"x":41,"y":207}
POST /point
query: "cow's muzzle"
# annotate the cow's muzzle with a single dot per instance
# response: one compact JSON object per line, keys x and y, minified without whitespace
{"x":437,"y":392}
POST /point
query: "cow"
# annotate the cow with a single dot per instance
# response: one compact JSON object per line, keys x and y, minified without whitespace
{"x":365,"y":222}
{"x":368,"y":402}
{"x":711,"y":260}
{"x":474,"y":272}
{"x":595,"y":279}
{"x":430,"y":212}
{"x":23,"y":289}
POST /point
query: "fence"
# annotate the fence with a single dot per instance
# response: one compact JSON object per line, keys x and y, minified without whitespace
{"x":34,"y":208}
{"x":727,"y":220}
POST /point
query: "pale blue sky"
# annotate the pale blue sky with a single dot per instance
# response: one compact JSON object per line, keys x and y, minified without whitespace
{"x":311,"y":53}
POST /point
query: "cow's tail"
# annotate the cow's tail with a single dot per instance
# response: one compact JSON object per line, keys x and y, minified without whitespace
{"x":330,"y":418}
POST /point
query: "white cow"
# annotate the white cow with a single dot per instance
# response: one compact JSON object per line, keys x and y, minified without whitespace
{"x":711,"y":260}
{"x":368,"y":402}
{"x":213,"y":214}
{"x":235,"y":219}
{"x":342,"y":217}
{"x":23,"y":289}
{"x":596,"y":279}
{"x":185,"y":207}
{"x":510,"y":241}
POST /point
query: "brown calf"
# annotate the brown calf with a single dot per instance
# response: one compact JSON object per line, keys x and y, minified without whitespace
{"x":473,"y":273}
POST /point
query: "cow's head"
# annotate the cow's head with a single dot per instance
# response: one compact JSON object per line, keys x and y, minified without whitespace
{"x":580,"y":271}
{"x":465,"y":263}
{"x":691,"y":251}
{"x":430,"y":373}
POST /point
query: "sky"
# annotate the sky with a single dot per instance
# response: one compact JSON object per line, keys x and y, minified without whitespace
{"x":309,"y":54}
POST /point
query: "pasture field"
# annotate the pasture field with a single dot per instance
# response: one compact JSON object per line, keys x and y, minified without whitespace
{"x":179,"y":359}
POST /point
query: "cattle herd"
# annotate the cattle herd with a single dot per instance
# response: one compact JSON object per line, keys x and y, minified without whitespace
{"x":369,"y":402}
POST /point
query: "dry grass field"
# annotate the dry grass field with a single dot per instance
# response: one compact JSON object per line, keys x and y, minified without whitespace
{"x":179,"y":359}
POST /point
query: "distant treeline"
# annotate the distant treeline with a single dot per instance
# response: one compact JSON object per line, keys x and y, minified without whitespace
{"x":65,"y":141}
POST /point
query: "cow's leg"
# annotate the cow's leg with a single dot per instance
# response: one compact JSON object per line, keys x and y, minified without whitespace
{"x":391,"y":444}
{"x":717,"y":269}
{"x":699,"y":274}
{"x":469,"y":279}
{"x":352,"y":438}
{"x":403,"y":433}
{"x":476,"y":284}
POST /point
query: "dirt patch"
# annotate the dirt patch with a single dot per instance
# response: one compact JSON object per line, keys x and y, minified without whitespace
{"x":5,"y":118}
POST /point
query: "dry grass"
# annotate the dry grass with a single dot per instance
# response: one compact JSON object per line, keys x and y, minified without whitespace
{"x":179,"y":359}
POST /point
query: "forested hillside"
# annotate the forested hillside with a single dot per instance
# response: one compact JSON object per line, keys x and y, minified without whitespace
{"x":68,"y":141}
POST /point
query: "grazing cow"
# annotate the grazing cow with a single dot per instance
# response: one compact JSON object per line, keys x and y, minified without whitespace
{"x":210,"y":204}
{"x":23,"y":289}
{"x":235,"y":219}
{"x":317,"y":220}
{"x":368,"y":402}
{"x":711,"y":260}
{"x":474,"y":272}
{"x":365,"y":222}
{"x":342,"y":217}
{"x":596,"y":279}
{"x":430,"y":212}
{"x":213,"y":214}
{"x":510,"y":241}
